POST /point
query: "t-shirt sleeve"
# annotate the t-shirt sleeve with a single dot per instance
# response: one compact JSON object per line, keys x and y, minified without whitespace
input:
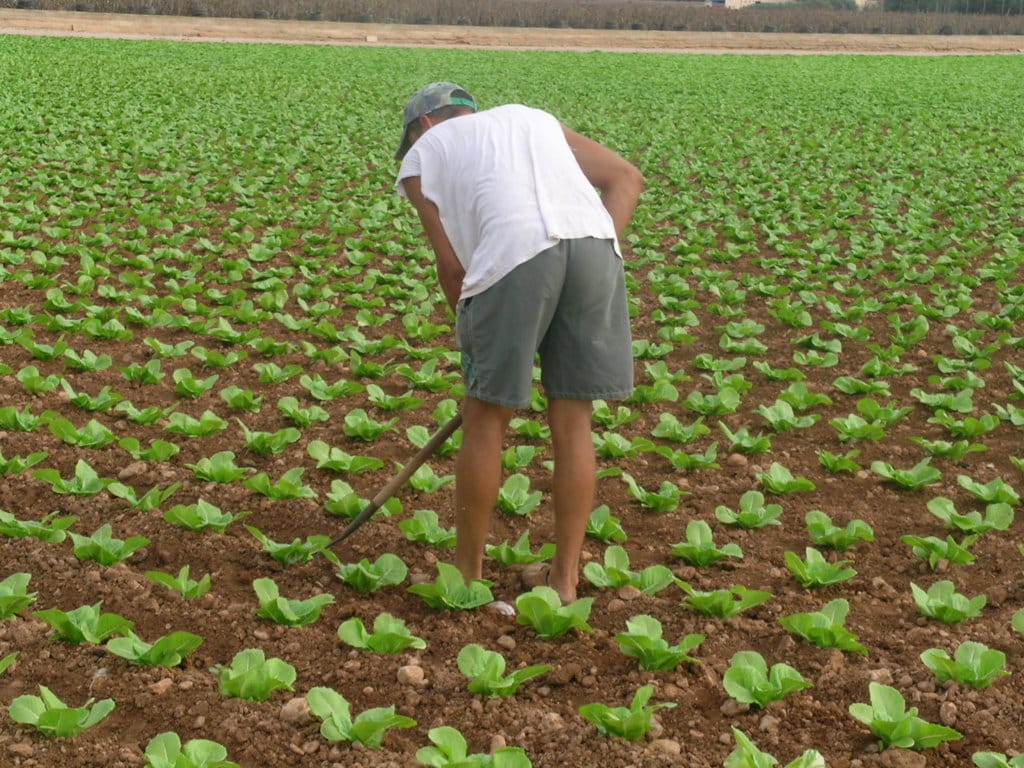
{"x":411,"y":166}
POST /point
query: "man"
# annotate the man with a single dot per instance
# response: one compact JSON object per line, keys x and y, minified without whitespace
{"x":528,"y":257}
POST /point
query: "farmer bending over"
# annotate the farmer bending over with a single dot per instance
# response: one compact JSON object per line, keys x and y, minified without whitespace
{"x":528,"y":258}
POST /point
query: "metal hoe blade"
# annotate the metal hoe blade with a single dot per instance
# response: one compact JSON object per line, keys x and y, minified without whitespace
{"x":401,"y":478}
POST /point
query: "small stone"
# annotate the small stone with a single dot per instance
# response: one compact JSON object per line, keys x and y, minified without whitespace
{"x":883,"y":676}
{"x":296,"y":711}
{"x":564,"y":674}
{"x":552,"y":721}
{"x":731,"y":708}
{"x":507,"y":642}
{"x":628,"y":593}
{"x":947,"y":713}
{"x":261,"y":634}
{"x":134,"y":469}
{"x":161,"y":687}
{"x":311,"y":746}
{"x":667,"y":746}
{"x":418,"y":577}
{"x":737,"y":460}
{"x":497,"y":742}
{"x":903,"y":758}
{"x":410,"y":675}
{"x":21,"y":749}
{"x":769,"y":724}
{"x":615,"y":605}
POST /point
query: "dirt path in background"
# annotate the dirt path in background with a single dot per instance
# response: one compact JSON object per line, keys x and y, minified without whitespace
{"x":329,"y":33}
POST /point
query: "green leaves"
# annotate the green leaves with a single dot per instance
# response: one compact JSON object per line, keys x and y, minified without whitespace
{"x":167,"y":651}
{"x":368,"y":728}
{"x":51,"y":717}
{"x":365,"y":577}
{"x":450,"y":750}
{"x":942,"y":602}
{"x":254,"y":677}
{"x":165,"y":750}
{"x":390,"y":635}
{"x":450,"y":591}
{"x":85,"y":624}
{"x":281,"y":610}
{"x":699,"y":548}
{"x":542,"y":609}
{"x":630,"y":722}
{"x":825,"y":628}
{"x":974,"y":664}
{"x":616,"y":573}
{"x":896,"y":726}
{"x":486,"y":671}
{"x":14,"y":594}
{"x":750,"y":681}
{"x":643,"y":641}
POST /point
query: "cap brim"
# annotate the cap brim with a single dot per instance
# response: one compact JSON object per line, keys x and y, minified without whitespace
{"x":404,"y":146}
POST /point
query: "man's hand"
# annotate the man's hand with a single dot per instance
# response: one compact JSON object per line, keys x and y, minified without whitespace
{"x":449,"y":269}
{"x":619,"y":180}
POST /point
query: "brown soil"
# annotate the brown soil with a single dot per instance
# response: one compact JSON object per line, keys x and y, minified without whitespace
{"x":223,"y":29}
{"x":543,"y":718}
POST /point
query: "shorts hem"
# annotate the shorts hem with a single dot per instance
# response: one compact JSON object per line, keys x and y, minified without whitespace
{"x":617,"y":394}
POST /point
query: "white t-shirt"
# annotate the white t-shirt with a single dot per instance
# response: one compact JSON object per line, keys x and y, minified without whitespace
{"x":507,"y":187}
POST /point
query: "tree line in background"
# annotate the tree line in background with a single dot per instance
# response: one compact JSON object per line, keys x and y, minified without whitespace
{"x":943,"y":17}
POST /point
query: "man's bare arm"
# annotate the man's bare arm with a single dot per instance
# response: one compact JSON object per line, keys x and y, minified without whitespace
{"x":449,"y":269}
{"x":619,"y":180}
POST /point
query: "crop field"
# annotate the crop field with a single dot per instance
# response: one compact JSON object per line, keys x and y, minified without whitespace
{"x":220,"y":333}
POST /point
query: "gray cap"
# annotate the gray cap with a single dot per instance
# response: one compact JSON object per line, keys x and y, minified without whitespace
{"x":426,"y":100}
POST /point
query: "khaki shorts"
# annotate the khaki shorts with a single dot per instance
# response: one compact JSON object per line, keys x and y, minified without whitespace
{"x":568,"y":304}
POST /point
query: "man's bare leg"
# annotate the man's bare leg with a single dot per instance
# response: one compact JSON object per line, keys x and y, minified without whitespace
{"x":477,"y":480}
{"x":574,"y":482}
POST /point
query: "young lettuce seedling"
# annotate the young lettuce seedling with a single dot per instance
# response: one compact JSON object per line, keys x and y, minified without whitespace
{"x":815,"y":571}
{"x":425,"y":527}
{"x":51,"y":529}
{"x":825,"y":533}
{"x":390,"y":635}
{"x":665,"y":499}
{"x":102,"y":547}
{"x":486,"y":671}
{"x":997,"y":760}
{"x":14,"y":594}
{"x":920,"y":475}
{"x":604,"y":526}
{"x":449,"y":591}
{"x":750,"y":681}
{"x":519,"y":553}
{"x":779,"y":480}
{"x":165,"y":750}
{"x":7,"y":660}
{"x":752,"y":513}
{"x":450,"y":750}
{"x":974,"y":664}
{"x":167,"y":651}
{"x":85,"y":624}
{"x":615,"y":573}
{"x":542,"y":609}
{"x":366,"y":577}
{"x":202,"y":516}
{"x":368,"y":728}
{"x":936,"y":551}
{"x":328,"y":457}
{"x":825,"y":628}
{"x":297,"y":551}
{"x":700,"y":549}
{"x":254,"y":677}
{"x":51,"y":717}
{"x":188,"y":588}
{"x":627,"y":722}
{"x":723,"y":603}
{"x":515,"y":496}
{"x":944,"y":603}
{"x":747,"y":755}
{"x":281,"y":610}
{"x":896,"y":726}
{"x":643,"y":641}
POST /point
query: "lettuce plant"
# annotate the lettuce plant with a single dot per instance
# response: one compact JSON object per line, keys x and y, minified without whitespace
{"x":630,"y":722}
{"x":206,"y":425}
{"x":368,"y":728}
{"x":254,"y":677}
{"x":288,"y":486}
{"x":782,"y":418}
{"x":974,"y":664}
{"x":365,"y":577}
{"x":896,"y":726}
{"x":779,"y":480}
{"x":281,"y":610}
{"x":296,"y":551}
{"x":299,"y":416}
{"x":202,"y":516}
{"x":723,"y":603}
{"x":449,"y":750}
{"x":751,"y":513}
{"x":996,"y":491}
{"x":515,"y":496}
{"x":936,"y":551}
{"x":7,"y":660}
{"x":86,"y":481}
{"x":519,"y":553}
{"x":643,"y":641}
{"x":52,"y":717}
{"x":918,"y":476}
{"x":425,"y":527}
{"x":102,"y":402}
{"x":450,"y":592}
{"x":241,"y":399}
{"x":426,"y":480}
{"x":825,"y":533}
{"x":85,"y":624}
{"x":14,"y":594}
{"x":51,"y":529}
{"x":942,"y":602}
{"x":615,"y":573}
{"x":742,"y":441}
{"x":604,"y":526}
{"x":167,"y":651}
{"x":855,"y":427}
{"x":700,"y":549}
{"x":144,"y":416}
{"x":269,"y":443}
{"x":188,"y":588}
{"x":997,"y":760}
{"x":18,"y":464}
{"x":165,"y":750}
{"x":750,"y":681}
{"x":104,"y":548}
{"x":825,"y":628}
{"x":390,"y":635}
{"x":834,"y":463}
{"x":186,"y":385}
{"x":665,"y":499}
{"x":328,"y":457}
{"x":358,"y":424}
{"x":14,"y":420}
{"x":815,"y":571}
{"x":542,"y":609}
{"x":747,"y":755}
{"x":149,"y":501}
{"x":92,"y":435}
{"x":486,"y":671}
